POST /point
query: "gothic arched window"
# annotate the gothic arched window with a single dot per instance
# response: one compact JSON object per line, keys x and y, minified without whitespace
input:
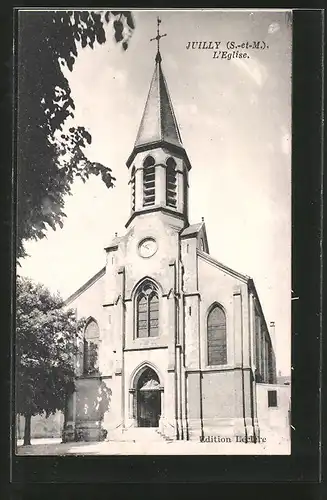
{"x":216,"y":336}
{"x":147,"y":311}
{"x":148,"y":181}
{"x":133,"y":187}
{"x":91,"y":348}
{"x":171,"y":183}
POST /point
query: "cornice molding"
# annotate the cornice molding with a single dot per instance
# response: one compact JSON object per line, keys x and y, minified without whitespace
{"x":156,"y":208}
{"x":178,"y":150}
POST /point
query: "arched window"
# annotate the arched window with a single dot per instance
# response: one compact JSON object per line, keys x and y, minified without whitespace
{"x":148,"y":181}
{"x":91,"y":348}
{"x":133,"y":187}
{"x":216,"y":337}
{"x":147,"y":311}
{"x":171,"y":183}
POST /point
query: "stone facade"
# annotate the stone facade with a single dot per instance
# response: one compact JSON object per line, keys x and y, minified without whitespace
{"x":164,"y":379}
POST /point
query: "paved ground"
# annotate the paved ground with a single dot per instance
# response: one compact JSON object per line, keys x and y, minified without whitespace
{"x":55,"y":447}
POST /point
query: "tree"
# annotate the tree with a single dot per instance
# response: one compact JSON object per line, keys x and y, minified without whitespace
{"x":46,"y":347}
{"x":49,"y":156}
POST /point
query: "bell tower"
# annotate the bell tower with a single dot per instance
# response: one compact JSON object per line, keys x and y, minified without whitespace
{"x":159,"y":164}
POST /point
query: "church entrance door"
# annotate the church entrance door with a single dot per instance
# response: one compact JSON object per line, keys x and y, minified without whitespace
{"x":148,"y":399}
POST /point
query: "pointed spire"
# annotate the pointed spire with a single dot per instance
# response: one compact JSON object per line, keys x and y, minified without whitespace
{"x":158,"y":58}
{"x":158,"y":122}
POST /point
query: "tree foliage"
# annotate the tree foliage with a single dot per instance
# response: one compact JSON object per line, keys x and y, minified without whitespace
{"x":46,"y":347}
{"x":50,"y":158}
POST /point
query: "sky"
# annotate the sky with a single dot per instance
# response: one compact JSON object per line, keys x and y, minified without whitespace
{"x":235,"y":121}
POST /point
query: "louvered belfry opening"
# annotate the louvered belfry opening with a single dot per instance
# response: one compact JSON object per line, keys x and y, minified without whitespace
{"x":133,"y":187}
{"x":149,"y":178}
{"x":171,"y":184}
{"x":158,"y":151}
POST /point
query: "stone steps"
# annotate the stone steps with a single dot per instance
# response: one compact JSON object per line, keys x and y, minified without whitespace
{"x":140,"y":434}
{"x":166,"y":438}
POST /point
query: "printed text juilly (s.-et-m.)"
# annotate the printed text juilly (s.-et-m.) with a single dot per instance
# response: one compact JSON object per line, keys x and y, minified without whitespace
{"x":228,"y":50}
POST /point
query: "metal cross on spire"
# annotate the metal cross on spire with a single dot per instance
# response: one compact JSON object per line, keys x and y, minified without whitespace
{"x":158,"y":56}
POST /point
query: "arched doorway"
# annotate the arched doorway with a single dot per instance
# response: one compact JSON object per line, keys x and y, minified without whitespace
{"x":148,"y":399}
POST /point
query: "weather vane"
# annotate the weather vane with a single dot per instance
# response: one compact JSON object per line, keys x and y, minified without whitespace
{"x":158,"y":57}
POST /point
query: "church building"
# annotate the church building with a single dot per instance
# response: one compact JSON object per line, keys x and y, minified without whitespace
{"x":174,"y":339}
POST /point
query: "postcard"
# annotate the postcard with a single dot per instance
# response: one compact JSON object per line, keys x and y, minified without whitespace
{"x":153,"y":311}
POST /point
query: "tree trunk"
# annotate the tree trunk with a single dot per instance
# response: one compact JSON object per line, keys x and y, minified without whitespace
{"x":18,"y":433}
{"x":27,"y":430}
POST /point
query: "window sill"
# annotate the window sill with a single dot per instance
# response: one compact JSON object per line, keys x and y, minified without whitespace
{"x":219,"y":367}
{"x":146,"y":343}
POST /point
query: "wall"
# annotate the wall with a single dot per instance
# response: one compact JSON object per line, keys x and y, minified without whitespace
{"x":126,"y":269}
{"x":216,"y":285}
{"x":90,"y":304}
{"x":90,"y":301}
{"x":223,"y":395}
{"x":264,"y":362}
{"x":163,"y":229}
{"x":218,"y":391}
{"x":110,"y":300}
{"x":275,"y":418}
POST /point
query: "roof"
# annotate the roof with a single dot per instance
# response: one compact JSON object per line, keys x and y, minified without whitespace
{"x":228,"y":270}
{"x":242,"y":277}
{"x":114,"y":242}
{"x":284,"y":379}
{"x":158,"y":122}
{"x":86,"y":285}
{"x":192,"y":229}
